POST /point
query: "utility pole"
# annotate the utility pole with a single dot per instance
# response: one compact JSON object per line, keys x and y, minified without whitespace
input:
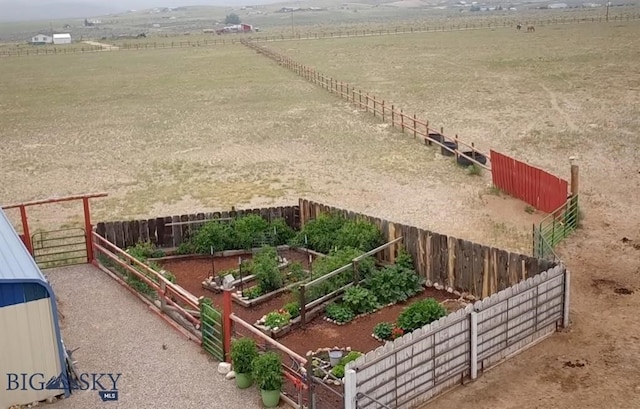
{"x":607,"y":15}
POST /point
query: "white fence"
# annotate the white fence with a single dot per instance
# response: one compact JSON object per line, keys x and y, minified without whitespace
{"x":432,"y":359}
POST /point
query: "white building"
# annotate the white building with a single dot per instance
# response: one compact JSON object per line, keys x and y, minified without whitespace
{"x":62,"y":38}
{"x":41,"y":39}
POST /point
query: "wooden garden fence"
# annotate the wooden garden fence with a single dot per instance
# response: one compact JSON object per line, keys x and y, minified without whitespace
{"x":420,"y":365}
{"x":460,"y":264}
{"x":410,"y":124}
{"x":540,"y":189}
{"x":171,"y":231}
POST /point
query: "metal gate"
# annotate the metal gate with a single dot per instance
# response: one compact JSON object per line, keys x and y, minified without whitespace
{"x":56,"y":248}
{"x":212,"y":339}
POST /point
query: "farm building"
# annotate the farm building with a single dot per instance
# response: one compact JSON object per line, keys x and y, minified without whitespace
{"x":41,"y":39}
{"x":62,"y":38}
{"x":30,"y":339}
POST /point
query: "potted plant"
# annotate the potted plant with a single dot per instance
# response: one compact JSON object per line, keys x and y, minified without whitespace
{"x":243,"y":352}
{"x":267,"y":371}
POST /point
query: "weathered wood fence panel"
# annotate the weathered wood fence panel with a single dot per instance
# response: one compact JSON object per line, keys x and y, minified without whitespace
{"x":420,"y":365}
{"x":448,"y":261}
{"x":171,"y":231}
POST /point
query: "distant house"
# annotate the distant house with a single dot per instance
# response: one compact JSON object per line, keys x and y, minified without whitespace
{"x":62,"y":38}
{"x":41,"y":39}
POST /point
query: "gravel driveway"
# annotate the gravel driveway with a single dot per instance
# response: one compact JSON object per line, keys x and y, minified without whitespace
{"x":117,"y":333}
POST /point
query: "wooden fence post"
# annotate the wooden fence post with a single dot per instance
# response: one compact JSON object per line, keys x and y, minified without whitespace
{"x":414,"y":127}
{"x":374,"y":106}
{"x":383,"y":111}
{"x":303,"y":306}
{"x":574,"y":179}
{"x":456,"y":148}
{"x":402,"y":120}
{"x":367,"y":101}
{"x":393,"y":122}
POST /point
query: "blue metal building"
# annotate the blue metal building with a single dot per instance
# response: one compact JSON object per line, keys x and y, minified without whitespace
{"x":31,"y":348}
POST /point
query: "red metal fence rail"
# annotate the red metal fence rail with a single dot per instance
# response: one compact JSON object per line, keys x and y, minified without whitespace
{"x":535,"y":186}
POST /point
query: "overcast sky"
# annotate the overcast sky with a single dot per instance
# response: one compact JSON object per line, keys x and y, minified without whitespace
{"x":13,"y":10}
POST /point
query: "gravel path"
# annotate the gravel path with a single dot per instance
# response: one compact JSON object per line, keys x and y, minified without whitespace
{"x":117,"y":333}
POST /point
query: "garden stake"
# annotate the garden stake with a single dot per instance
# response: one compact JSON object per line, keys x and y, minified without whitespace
{"x":240,"y":273}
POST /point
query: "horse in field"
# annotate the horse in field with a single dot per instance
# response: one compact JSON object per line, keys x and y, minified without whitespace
{"x":531,"y":29}
{"x":519,"y":26}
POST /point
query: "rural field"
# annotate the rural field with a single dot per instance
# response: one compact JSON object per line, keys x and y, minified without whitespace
{"x":183,"y":130}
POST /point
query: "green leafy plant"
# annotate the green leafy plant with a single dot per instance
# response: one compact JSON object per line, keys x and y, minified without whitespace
{"x":338,"y":370}
{"x":277,"y":319}
{"x":292,"y":308}
{"x":296,"y":272}
{"x":284,"y":233}
{"x":360,"y":300}
{"x":214,"y":233}
{"x":383,"y":330}
{"x":253,"y":292}
{"x":243,"y":352}
{"x":419,"y":314}
{"x":267,"y":371}
{"x":248,"y":230}
{"x":404,"y":259}
{"x":359,"y":234}
{"x":321,"y":233}
{"x":144,"y":250}
{"x":187,"y":247}
{"x":333,"y":261}
{"x":266,"y":271}
{"x":393,"y":284}
{"x":169,"y":276}
{"x":338,"y":313}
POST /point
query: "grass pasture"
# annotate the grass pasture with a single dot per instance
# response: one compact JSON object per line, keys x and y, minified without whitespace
{"x":171,"y":131}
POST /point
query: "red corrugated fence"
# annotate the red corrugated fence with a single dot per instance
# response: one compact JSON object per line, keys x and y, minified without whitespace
{"x":538,"y":188}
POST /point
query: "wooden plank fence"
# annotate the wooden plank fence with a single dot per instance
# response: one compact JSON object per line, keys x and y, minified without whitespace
{"x":460,"y":264}
{"x":420,"y":365}
{"x":171,"y":231}
{"x":411,"y":124}
{"x":540,"y":189}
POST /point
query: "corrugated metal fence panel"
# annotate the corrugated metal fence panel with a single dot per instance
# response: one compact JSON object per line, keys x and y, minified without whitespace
{"x":532,"y":185}
{"x":31,"y":347}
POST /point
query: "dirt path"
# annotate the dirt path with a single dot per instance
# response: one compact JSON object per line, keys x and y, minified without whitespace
{"x":104,"y":46}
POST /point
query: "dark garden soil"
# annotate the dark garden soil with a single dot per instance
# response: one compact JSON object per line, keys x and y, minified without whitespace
{"x":357,"y":333}
{"x":190,"y":273}
{"x":318,"y":333}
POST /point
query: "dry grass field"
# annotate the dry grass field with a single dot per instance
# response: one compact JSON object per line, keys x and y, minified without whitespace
{"x":184,"y":130}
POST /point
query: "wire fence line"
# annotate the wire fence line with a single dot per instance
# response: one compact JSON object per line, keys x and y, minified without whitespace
{"x":234,"y":39}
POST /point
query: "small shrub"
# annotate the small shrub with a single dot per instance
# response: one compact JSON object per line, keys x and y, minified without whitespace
{"x":474,"y":170}
{"x":214,"y":233}
{"x":293,"y":308}
{"x":248,"y":230}
{"x":404,"y":259}
{"x":383,"y":330}
{"x":253,"y":292}
{"x":284,"y":233}
{"x":419,"y":314}
{"x":266,"y":271}
{"x":296,"y":272}
{"x":267,"y":371}
{"x":187,"y":247}
{"x":144,"y":250}
{"x":277,"y":319}
{"x":360,"y":300}
{"x":338,"y":370}
{"x":529,"y":209}
{"x":339,"y":313}
{"x":321,"y":232}
{"x":169,"y":276}
{"x":394,"y":284}
{"x":243,"y":352}
{"x":359,"y":234}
